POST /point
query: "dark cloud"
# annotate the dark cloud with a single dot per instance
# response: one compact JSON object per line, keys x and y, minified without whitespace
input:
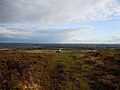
{"x":9,"y":13}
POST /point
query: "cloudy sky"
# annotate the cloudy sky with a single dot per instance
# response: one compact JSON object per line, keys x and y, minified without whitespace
{"x":60,"y":21}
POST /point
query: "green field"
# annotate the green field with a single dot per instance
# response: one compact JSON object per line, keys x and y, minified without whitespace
{"x":66,"y":70}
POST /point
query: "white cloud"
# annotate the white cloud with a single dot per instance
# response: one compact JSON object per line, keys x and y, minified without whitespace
{"x":57,"y":11}
{"x":116,"y":38}
{"x":55,"y":35}
{"x":7,"y":33}
{"x":112,"y":39}
{"x":26,"y":17}
{"x":86,"y":40}
{"x":118,"y":30}
{"x":46,"y":34}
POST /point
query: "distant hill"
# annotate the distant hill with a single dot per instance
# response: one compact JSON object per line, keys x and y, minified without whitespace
{"x":57,"y":46}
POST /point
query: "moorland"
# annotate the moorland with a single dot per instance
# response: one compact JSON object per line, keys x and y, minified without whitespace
{"x":59,"y":70}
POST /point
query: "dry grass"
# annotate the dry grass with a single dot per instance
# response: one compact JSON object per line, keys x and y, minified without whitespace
{"x":66,"y":70}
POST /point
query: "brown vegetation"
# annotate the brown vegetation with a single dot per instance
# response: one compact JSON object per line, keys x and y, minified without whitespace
{"x":66,"y":70}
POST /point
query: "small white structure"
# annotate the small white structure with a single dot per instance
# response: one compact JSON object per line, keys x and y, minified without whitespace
{"x":59,"y":50}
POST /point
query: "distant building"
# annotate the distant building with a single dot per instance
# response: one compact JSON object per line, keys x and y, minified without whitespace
{"x":59,"y":50}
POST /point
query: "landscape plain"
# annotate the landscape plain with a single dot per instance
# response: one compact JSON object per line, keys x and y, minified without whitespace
{"x":59,"y":44}
{"x":23,"y":68}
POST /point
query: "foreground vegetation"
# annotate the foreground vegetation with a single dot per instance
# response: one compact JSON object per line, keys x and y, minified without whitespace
{"x":66,"y":70}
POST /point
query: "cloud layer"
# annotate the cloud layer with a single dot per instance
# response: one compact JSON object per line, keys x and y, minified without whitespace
{"x":57,"y":11}
{"x":44,"y":35}
{"x":29,"y":20}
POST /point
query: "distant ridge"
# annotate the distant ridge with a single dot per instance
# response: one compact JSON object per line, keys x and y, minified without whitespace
{"x":56,"y":46}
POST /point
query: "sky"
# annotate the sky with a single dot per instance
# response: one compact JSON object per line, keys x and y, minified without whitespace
{"x":60,"y":21}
